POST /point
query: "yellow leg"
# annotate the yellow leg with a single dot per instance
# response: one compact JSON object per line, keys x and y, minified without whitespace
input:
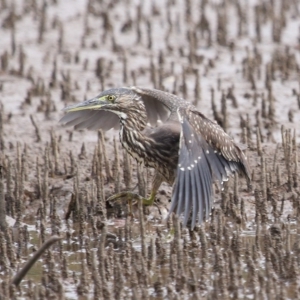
{"x":150,"y":200}
{"x":129,"y":196}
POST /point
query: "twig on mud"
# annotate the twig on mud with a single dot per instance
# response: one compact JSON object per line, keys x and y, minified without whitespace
{"x":37,"y":131}
{"x":21,"y":274}
{"x":3,"y":224}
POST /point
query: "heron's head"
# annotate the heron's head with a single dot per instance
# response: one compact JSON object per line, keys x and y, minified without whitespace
{"x":121,"y":101}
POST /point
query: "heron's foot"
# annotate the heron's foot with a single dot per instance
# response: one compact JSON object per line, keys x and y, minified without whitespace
{"x":129,"y":196}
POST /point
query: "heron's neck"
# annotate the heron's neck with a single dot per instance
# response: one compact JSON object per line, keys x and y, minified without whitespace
{"x":135,"y":118}
{"x":131,"y":134}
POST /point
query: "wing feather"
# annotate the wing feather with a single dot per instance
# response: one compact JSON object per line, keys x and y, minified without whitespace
{"x":230,"y":154}
{"x":188,"y":196}
{"x":196,"y":195}
{"x":159,"y":105}
{"x":201,"y":161}
{"x":91,"y":119}
{"x":181,"y":194}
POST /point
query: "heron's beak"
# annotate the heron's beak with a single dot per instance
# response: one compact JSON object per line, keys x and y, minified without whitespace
{"x":92,"y":104}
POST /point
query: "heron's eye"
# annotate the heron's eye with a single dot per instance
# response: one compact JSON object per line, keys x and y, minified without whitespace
{"x":110,"y":98}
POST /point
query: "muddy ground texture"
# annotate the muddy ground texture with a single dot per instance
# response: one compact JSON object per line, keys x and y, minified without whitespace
{"x":237,"y":61}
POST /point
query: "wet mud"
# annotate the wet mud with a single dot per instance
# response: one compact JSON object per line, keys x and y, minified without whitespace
{"x":237,"y":61}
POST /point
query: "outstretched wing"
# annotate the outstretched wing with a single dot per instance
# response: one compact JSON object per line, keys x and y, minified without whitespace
{"x":159,"y":106}
{"x":91,"y":119}
{"x":206,"y":154}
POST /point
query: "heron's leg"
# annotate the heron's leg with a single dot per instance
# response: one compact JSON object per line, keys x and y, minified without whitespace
{"x":157,"y":181}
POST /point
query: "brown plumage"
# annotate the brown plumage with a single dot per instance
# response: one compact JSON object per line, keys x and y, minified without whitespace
{"x":170,"y":135}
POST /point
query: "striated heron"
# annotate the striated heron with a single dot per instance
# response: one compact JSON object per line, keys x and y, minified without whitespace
{"x":163,"y":131}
